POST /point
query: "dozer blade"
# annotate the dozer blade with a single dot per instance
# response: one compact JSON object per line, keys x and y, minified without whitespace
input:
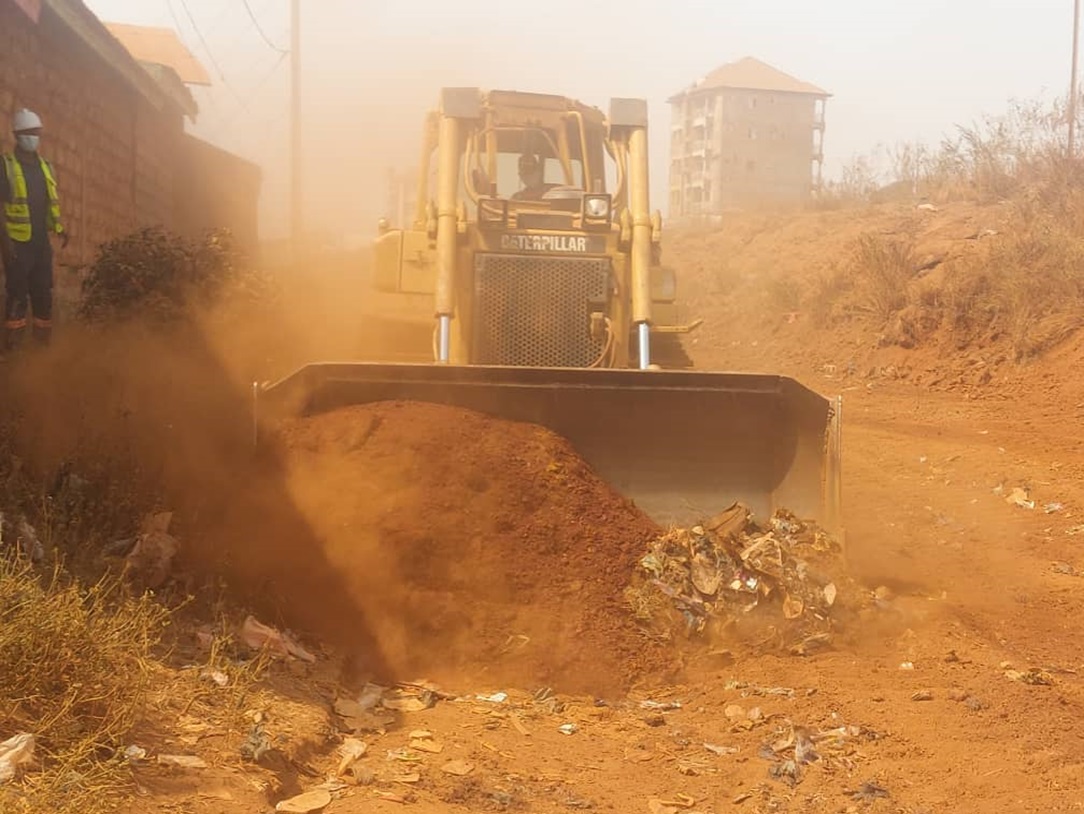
{"x":683,"y":445}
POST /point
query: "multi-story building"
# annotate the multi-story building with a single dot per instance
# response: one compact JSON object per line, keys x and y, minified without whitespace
{"x":745,"y":135}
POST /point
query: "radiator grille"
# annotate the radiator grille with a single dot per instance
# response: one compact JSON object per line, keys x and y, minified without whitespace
{"x":535,"y":311}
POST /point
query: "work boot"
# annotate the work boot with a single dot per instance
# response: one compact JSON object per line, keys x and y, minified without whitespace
{"x":13,"y":338}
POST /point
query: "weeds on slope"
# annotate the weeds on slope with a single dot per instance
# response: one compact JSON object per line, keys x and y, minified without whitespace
{"x":77,"y":667}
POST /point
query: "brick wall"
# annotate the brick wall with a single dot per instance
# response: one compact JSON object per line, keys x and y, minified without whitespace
{"x":216,"y":188}
{"x":113,"y":150}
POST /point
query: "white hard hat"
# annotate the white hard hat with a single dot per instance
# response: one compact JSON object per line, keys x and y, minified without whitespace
{"x":25,"y":120}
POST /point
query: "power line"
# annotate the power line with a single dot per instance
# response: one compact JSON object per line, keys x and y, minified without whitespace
{"x":203,"y":41}
{"x":210,"y":54}
{"x":228,"y":122}
{"x":259,"y":29}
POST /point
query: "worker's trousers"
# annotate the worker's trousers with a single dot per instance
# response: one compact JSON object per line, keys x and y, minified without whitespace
{"x":28,"y":280}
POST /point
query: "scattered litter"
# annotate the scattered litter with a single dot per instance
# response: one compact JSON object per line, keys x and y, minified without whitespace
{"x":868,"y":791}
{"x":518,"y":724}
{"x":24,"y":535}
{"x":370,"y":696}
{"x":1034,"y":676}
{"x":708,"y":576}
{"x":1075,"y":530}
{"x":259,"y":636}
{"x":798,"y":746}
{"x":391,"y":797}
{"x":407,"y":703}
{"x":812,"y":644}
{"x":1053,"y":508}
{"x":681,"y":802}
{"x":922,"y":695}
{"x":151,"y":559}
{"x":568,"y":729}
{"x":258,"y":742}
{"x":661,"y":706}
{"x":407,"y":779}
{"x":182,"y":761}
{"x":216,"y":677}
{"x":134,"y":754}
{"x":1064,"y":568}
{"x":458,"y":768}
{"x":404,"y":756}
{"x":426,"y":744}
{"x":742,"y":797}
{"x":722,"y":751}
{"x":15,"y":752}
{"x":355,"y":719}
{"x":305,"y":803}
{"x":830,"y":594}
{"x":751,"y":689}
{"x":1019,"y":497}
{"x":907,"y":665}
{"x":351,"y":750}
{"x":495,"y":698}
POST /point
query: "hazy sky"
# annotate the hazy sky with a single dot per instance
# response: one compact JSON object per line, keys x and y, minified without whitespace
{"x":900,"y":71}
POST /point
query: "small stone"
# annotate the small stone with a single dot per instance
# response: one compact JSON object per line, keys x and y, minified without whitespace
{"x":734,"y":712}
{"x":958,"y":695}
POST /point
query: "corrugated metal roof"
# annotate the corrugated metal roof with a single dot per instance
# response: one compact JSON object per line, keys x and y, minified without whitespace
{"x":160,"y":46}
{"x":752,"y":74}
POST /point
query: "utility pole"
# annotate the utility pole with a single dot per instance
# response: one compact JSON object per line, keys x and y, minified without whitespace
{"x":1073,"y":80}
{"x":296,"y":223}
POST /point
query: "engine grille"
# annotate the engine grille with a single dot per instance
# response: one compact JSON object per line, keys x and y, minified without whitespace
{"x":535,"y":311}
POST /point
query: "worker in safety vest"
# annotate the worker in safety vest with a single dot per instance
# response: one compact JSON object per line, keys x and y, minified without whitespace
{"x":31,"y":207}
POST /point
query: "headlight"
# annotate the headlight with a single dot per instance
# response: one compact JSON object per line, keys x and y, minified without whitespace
{"x":596,"y":207}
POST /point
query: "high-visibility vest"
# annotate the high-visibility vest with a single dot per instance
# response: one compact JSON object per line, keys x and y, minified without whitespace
{"x":17,"y":210}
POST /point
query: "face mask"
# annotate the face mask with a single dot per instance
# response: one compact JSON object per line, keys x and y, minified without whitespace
{"x":28,"y":143}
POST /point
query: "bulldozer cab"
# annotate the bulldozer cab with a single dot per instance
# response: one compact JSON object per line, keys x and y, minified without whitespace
{"x":532,"y":233}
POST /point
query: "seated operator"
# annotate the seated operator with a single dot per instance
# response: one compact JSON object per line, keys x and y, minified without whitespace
{"x":530,"y":174}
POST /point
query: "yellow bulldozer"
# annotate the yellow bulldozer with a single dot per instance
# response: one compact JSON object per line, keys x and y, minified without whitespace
{"x":534,"y":250}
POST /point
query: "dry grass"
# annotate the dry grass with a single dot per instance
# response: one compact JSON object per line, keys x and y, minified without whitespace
{"x":883,"y":267}
{"x":1027,"y":288}
{"x":1024,"y":288}
{"x":77,"y":667}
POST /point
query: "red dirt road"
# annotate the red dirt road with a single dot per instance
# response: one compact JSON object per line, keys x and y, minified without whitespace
{"x":971,"y":587}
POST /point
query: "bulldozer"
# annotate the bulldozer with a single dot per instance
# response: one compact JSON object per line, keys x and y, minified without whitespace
{"x":537,"y":259}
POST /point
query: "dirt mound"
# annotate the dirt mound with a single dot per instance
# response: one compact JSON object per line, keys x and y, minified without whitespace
{"x":477,"y":549}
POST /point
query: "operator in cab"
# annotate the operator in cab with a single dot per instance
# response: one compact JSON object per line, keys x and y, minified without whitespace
{"x":531,"y":176}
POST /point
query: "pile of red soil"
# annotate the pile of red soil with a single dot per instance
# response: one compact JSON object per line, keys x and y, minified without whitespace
{"x":475,"y":548}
